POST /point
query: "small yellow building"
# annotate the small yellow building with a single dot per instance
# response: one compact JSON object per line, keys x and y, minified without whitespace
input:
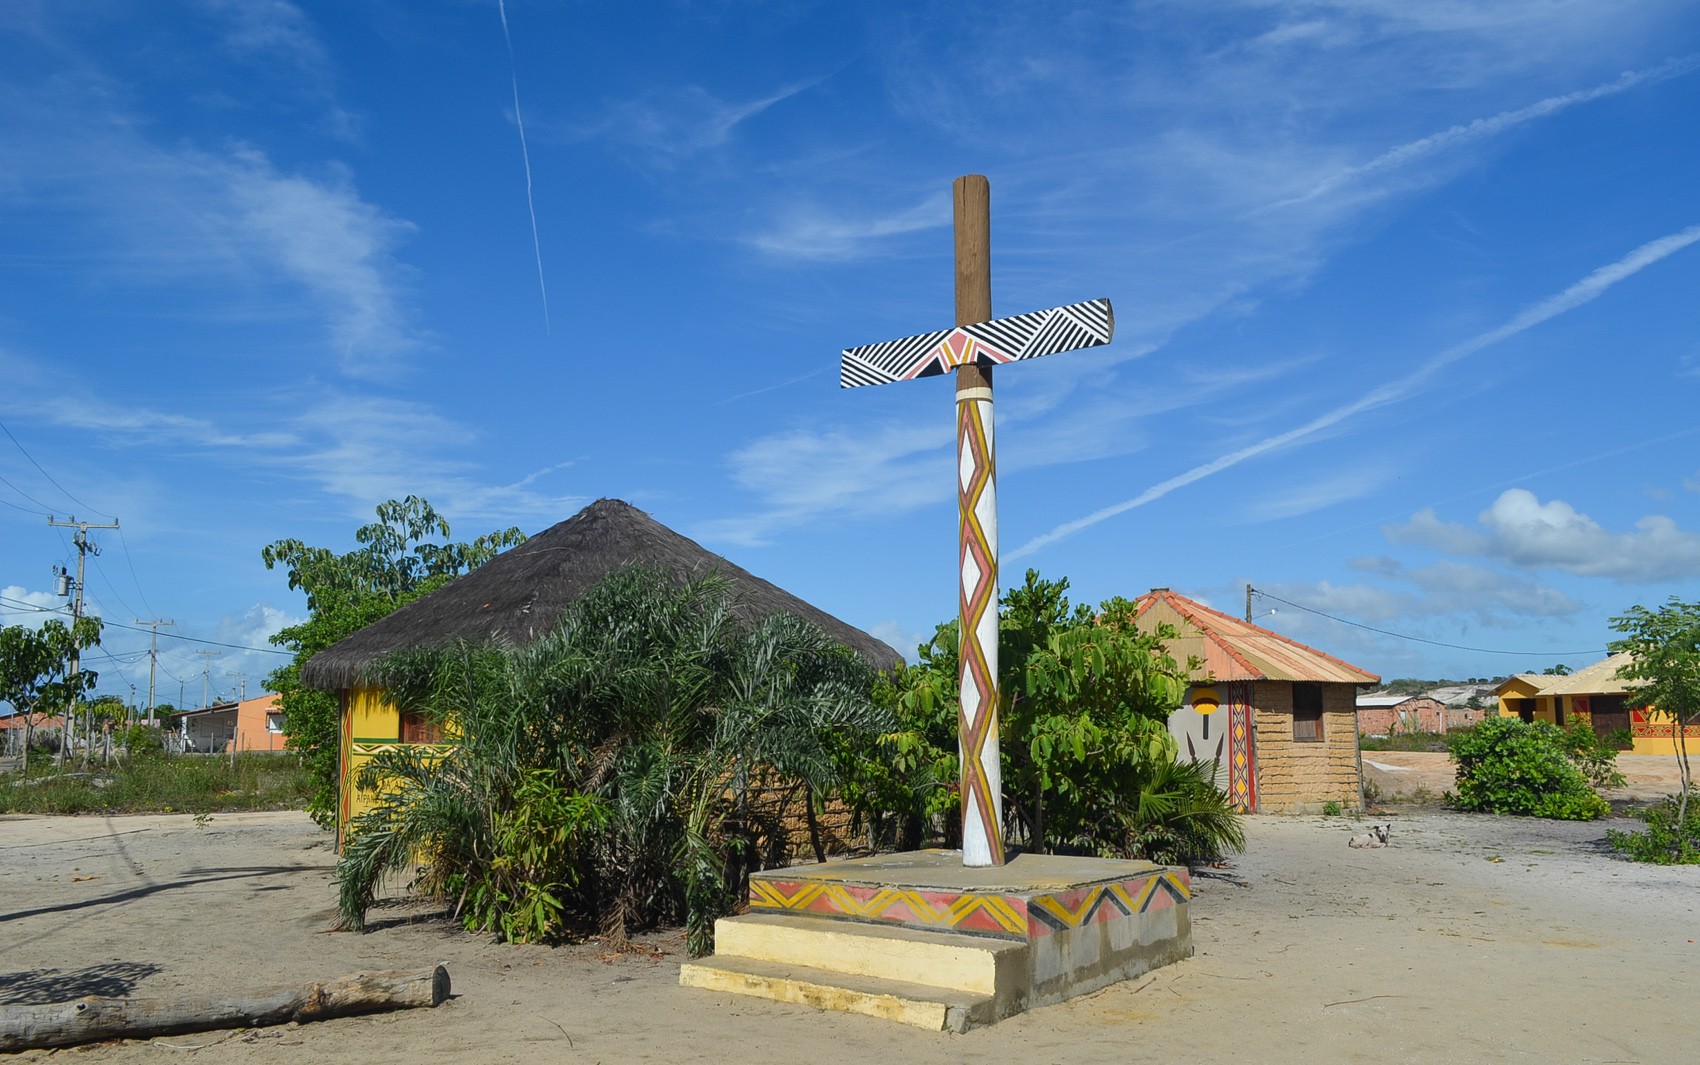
{"x":1596,"y":696}
{"x":516,"y":598}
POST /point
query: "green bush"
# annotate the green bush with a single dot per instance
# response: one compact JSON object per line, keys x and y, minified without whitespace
{"x":1508,"y":766}
{"x":138,"y":738}
{"x":1594,"y":755}
{"x":1664,"y":841}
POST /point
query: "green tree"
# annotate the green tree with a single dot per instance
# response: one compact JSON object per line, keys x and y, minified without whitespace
{"x":1665,"y":673}
{"x":35,"y":669}
{"x":403,"y":555}
{"x":606,"y":773}
{"x":1087,"y":761}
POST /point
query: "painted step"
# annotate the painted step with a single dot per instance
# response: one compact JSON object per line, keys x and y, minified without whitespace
{"x":938,"y":1009}
{"x":977,"y":964}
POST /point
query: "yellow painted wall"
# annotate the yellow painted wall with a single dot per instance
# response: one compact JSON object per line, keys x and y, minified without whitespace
{"x":1645,"y":742}
{"x":1545,"y":705}
{"x":370,"y":724}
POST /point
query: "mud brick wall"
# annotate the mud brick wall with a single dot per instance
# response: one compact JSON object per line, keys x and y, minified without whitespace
{"x":1295,"y":777}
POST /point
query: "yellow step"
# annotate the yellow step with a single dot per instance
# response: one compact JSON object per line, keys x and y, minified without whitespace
{"x":923,"y":1006}
{"x":978,"y":964}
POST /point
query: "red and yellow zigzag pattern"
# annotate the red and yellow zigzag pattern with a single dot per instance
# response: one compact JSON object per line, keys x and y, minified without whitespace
{"x":977,"y":718}
{"x":1008,"y":916}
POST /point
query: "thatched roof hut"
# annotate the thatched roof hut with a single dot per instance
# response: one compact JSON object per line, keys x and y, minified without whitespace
{"x":518,"y":596}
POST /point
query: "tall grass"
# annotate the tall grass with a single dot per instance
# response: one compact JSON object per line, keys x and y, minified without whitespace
{"x":153,"y":783}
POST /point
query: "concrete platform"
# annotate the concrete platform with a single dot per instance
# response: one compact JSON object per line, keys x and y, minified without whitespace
{"x":919,"y":938}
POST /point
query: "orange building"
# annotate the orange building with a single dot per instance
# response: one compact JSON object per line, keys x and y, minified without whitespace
{"x":249,"y":725}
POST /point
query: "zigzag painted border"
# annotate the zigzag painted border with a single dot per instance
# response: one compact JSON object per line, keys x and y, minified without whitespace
{"x":998,"y":915}
{"x":1006,"y":916}
{"x":1022,"y":336}
{"x":1105,"y":902}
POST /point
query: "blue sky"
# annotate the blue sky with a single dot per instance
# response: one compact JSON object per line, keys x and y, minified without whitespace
{"x":1407,"y":327}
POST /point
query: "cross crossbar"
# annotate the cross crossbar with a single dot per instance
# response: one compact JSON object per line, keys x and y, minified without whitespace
{"x":1021,"y":336}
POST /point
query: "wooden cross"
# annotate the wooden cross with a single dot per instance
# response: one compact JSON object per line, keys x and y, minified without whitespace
{"x":972,"y":348}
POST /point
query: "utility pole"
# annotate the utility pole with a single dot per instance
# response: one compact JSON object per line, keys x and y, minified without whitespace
{"x":153,"y":657}
{"x":1248,"y":601}
{"x":241,"y":686}
{"x":84,"y":546}
{"x":206,"y":674}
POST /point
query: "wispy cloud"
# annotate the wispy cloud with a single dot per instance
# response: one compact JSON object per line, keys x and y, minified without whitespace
{"x":151,"y":212}
{"x":670,"y":126}
{"x":1583,"y":291}
{"x":1290,"y":501}
{"x":802,"y":476}
{"x":1521,"y":531}
{"x":824,"y":233}
{"x":1402,"y":157}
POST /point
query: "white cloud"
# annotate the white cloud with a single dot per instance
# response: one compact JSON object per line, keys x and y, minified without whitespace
{"x":21,"y":606}
{"x":1322,"y":492}
{"x":221,"y":227}
{"x":1583,"y":291}
{"x":899,"y":637}
{"x":822,"y":233}
{"x":1519,"y":530}
{"x":804,"y":475}
{"x":1401,"y":158}
{"x":670,"y":126}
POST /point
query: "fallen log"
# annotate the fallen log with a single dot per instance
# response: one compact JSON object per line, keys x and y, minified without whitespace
{"x":91,"y":1019}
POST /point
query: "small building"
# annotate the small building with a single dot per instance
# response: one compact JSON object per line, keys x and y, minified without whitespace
{"x":234,"y":727}
{"x":1596,"y":695}
{"x":515,"y":599}
{"x":1384,"y":715}
{"x":1278,"y":718}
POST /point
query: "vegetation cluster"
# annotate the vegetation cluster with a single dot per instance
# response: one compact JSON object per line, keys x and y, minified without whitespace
{"x":1533,"y":768}
{"x":619,"y":773}
{"x":1665,"y":675}
{"x":153,"y":782}
{"x":398,"y":561}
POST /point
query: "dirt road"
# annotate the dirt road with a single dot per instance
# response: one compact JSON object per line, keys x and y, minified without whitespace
{"x":1470,"y":939}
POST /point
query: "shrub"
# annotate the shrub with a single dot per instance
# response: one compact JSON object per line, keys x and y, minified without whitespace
{"x":1508,"y":766}
{"x":1594,"y":755}
{"x":1664,"y":841}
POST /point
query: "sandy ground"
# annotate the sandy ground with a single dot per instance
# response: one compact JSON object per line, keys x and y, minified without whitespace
{"x":1470,"y":939}
{"x":1402,"y":775}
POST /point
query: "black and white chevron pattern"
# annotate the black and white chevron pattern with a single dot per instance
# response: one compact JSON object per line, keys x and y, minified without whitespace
{"x":1022,"y":336}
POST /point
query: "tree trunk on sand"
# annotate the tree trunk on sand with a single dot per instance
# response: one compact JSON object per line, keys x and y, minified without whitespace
{"x":87,"y":1020}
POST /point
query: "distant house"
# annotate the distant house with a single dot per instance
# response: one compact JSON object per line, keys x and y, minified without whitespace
{"x":515,"y":599}
{"x":1277,"y":718}
{"x":1383,"y":715}
{"x":1595,"y":695}
{"x":248,"y":725}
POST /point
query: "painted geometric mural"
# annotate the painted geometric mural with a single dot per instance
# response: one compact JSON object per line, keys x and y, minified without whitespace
{"x":1003,"y":915}
{"x":1002,"y":340}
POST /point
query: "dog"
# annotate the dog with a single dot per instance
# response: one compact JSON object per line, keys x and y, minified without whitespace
{"x":1375,"y":837}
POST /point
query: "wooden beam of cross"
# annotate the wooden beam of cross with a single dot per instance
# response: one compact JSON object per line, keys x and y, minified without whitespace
{"x":971,"y":349}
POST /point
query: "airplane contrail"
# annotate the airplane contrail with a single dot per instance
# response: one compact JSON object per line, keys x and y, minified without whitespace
{"x":1583,"y":291}
{"x":525,"y":155}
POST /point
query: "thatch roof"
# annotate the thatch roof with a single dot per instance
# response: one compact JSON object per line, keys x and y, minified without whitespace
{"x":518,"y":596}
{"x":1232,"y":649}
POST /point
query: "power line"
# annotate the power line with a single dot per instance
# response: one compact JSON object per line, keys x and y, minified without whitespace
{"x":49,"y":476}
{"x":1419,"y":639}
{"x":135,"y":579}
{"x":135,"y":628}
